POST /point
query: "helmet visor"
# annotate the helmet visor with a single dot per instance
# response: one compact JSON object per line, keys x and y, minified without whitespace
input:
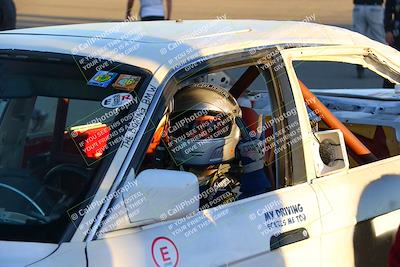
{"x":200,"y":125}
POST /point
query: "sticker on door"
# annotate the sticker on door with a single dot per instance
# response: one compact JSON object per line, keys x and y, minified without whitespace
{"x":164,"y":252}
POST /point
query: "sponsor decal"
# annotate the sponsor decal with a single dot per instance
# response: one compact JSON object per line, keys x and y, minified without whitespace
{"x":117,"y":100}
{"x":164,"y":252}
{"x":139,"y":116}
{"x":283,"y":216}
{"x":126,"y":82}
{"x":102,"y":78}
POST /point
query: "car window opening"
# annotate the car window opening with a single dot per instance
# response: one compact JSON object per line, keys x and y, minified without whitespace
{"x":55,"y":133}
{"x":173,"y":132}
{"x":363,"y":110}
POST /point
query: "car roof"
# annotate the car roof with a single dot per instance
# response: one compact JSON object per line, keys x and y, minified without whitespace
{"x":165,"y":31}
{"x":159,"y":41}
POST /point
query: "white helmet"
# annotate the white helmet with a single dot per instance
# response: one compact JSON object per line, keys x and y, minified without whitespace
{"x":202,"y":126}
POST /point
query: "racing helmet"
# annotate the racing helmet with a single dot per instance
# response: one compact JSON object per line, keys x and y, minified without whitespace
{"x":202,"y":130}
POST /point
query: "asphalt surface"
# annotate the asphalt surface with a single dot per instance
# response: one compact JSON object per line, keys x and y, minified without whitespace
{"x":36,"y":13}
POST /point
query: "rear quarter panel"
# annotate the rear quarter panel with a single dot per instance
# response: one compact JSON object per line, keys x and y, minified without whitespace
{"x":360,"y":212}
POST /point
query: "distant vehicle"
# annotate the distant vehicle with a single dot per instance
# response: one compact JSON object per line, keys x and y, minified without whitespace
{"x":8,"y":15}
{"x":83,"y":182}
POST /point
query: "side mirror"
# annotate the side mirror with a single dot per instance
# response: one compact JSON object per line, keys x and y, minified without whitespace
{"x":330,"y":155}
{"x":164,"y":195}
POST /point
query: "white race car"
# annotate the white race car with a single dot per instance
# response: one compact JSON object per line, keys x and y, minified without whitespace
{"x":88,"y":175}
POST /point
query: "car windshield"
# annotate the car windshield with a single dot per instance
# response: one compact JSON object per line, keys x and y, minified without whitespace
{"x":58,"y":125}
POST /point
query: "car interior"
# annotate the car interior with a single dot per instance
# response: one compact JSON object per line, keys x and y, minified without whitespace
{"x":54,"y":137}
{"x":369,"y":99}
{"x":243,"y":83}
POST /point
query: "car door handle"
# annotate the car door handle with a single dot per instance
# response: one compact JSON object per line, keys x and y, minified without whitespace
{"x":287,"y":238}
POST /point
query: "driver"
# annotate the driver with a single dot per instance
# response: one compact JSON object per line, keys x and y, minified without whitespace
{"x":206,"y":135}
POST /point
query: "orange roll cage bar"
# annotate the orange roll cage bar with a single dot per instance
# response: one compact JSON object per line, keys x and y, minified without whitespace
{"x":363,"y":153}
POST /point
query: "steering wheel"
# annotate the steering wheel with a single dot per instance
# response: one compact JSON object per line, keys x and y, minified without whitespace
{"x":24,"y":196}
{"x":65,"y":183}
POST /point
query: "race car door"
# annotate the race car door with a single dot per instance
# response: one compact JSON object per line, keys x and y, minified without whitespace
{"x":276,"y":228}
{"x":360,"y":207}
{"x":273,"y":229}
{"x":288,"y":219}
